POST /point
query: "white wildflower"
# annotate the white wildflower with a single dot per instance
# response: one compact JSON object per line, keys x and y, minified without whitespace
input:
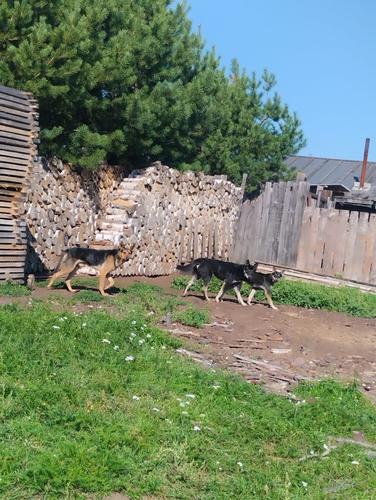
{"x":196,"y":428}
{"x":156,"y":409}
{"x":106,"y":341}
{"x":134,"y":322}
{"x":129,"y":358}
{"x":304,"y":484}
{"x":141,"y":341}
{"x":135,"y":398}
{"x":192,"y":396}
{"x":163,"y":347}
{"x":240,"y":464}
{"x":355,"y":462}
{"x":216,"y":386}
{"x":116,"y":347}
{"x":148,"y":336}
{"x":83,"y":324}
{"x":133,"y":334}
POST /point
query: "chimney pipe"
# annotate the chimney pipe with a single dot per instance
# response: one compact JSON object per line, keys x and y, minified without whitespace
{"x":364,"y":166}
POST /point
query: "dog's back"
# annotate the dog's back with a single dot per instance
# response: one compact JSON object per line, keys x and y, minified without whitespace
{"x":91,"y":256}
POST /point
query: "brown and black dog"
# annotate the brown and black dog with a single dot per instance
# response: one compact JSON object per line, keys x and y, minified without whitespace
{"x":104,"y":261}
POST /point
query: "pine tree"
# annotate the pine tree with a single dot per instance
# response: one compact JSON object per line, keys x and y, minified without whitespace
{"x":127,"y":81}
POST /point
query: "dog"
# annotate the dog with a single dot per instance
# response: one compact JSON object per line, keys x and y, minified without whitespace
{"x":104,"y":261}
{"x":232,"y":275}
{"x":264,"y":282}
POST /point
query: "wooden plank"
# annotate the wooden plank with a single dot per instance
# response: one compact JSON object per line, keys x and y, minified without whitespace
{"x":240,"y":230}
{"x":277,"y":220}
{"x":248,"y":228}
{"x":18,"y":106}
{"x":13,"y":265}
{"x":350,"y":244}
{"x":12,"y":258}
{"x":25,"y":114}
{"x":11,"y":246}
{"x":14,"y":154}
{"x":301,"y":197}
{"x":267,"y":194}
{"x":283,"y":235}
{"x":15,"y":131}
{"x":10,"y":137}
{"x":17,"y":94}
{"x":12,"y":167}
{"x":339,"y":246}
{"x":369,"y":263}
{"x":303,"y":248}
{"x":290,"y":224}
{"x":21,"y":127}
{"x":15,"y":120}
{"x":5,"y":149}
{"x":360,"y":247}
{"x":10,"y":222}
{"x":14,"y":161}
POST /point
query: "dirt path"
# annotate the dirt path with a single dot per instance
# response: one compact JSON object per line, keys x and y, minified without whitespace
{"x":275,"y":348}
{"x":287,"y":345}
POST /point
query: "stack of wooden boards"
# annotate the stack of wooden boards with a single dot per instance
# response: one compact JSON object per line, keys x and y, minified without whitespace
{"x":19,"y":134}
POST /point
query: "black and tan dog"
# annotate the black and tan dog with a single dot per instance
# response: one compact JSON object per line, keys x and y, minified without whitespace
{"x":232,"y":275}
{"x":104,"y":261}
{"x":264,"y":282}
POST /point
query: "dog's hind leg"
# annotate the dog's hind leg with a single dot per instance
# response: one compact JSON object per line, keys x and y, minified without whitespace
{"x":269,"y":299}
{"x":111,"y":282}
{"x":251,"y":295}
{"x":190,"y":283}
{"x":68,"y":281}
{"x":238,"y":294}
{"x":64,"y":271}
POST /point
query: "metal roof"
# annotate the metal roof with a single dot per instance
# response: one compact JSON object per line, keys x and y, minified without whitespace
{"x":326,"y":171}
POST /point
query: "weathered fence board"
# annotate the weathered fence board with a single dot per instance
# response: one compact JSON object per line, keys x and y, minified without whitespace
{"x":338,"y":243}
{"x":269,"y":226}
{"x":18,"y":150}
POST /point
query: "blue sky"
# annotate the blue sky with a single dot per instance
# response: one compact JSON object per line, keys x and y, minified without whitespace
{"x":322,"y":53}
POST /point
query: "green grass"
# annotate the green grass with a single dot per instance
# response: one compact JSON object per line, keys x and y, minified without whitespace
{"x":13,"y":290}
{"x":309,"y":295}
{"x":98,"y":402}
{"x":192,"y":316}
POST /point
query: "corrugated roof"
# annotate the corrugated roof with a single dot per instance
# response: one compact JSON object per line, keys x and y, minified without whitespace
{"x":331,"y":171}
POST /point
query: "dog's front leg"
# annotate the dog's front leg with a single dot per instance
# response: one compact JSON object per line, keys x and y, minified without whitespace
{"x":270,"y":301}
{"x":251,"y":295}
{"x":238,"y":294}
{"x":102,"y":280}
{"x":220,"y":293}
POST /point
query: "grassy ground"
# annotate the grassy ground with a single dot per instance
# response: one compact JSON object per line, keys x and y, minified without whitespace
{"x":310,"y":295}
{"x":98,"y":401}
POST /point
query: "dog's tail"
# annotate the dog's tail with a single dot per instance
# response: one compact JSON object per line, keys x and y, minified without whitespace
{"x":187,"y":268}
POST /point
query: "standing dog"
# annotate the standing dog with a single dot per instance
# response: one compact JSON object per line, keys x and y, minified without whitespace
{"x":232,"y":275}
{"x":104,"y":261}
{"x":261,"y":281}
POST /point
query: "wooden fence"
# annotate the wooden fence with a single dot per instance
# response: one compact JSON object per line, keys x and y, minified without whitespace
{"x":18,"y":149}
{"x":279,"y":228}
{"x":269,"y":226}
{"x":338,"y":243}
